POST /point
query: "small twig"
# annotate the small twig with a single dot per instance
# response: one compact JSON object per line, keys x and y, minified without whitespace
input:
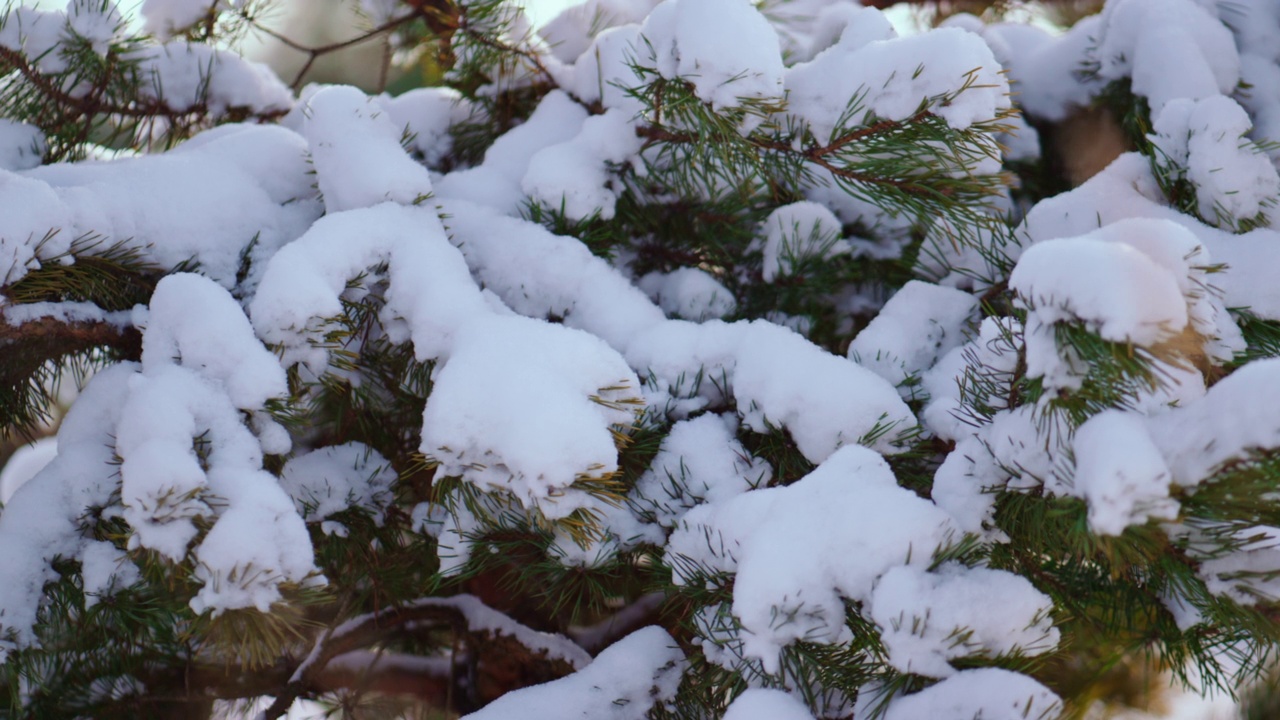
{"x":315,"y":52}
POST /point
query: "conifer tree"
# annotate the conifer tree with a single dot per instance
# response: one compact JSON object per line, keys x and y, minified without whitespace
{"x":668,"y":359}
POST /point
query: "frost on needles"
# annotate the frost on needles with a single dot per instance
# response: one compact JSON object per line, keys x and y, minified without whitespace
{"x":680,"y":359}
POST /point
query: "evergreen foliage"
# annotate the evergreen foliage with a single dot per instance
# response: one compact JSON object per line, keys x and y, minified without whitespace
{"x":631,"y":365}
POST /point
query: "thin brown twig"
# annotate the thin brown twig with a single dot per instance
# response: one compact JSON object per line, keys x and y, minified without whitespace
{"x":314,"y":52}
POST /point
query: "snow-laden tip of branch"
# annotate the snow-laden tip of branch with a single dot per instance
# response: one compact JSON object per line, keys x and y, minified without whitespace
{"x":194,"y":323}
{"x":778,"y":380}
{"x":182,"y":441}
{"x":742,"y":60}
{"x":988,"y":693}
{"x":893,"y":79}
{"x":41,"y":521}
{"x":357,"y":153}
{"x":798,"y":550}
{"x":928,"y":618}
{"x":527,"y":406}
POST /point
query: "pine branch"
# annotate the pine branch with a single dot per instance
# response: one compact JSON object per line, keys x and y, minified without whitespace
{"x":93,"y":104}
{"x":464,"y":615}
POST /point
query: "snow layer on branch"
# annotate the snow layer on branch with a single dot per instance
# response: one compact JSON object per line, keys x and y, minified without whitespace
{"x":1135,"y":281}
{"x":740,"y":60}
{"x":778,"y":380}
{"x":171,"y":207}
{"x":778,"y":377}
{"x":356,"y":149}
{"x":105,"y":569}
{"x":22,"y":146}
{"x":1240,"y":413}
{"x":919,"y":324}
{"x":893,"y":79}
{"x":606,"y":70}
{"x":927,"y":618}
{"x":496,"y":182}
{"x":185,"y":75}
{"x":1170,"y":48}
{"x":332,"y":479}
{"x":1044,"y":70}
{"x":689,"y":294}
{"x":987,"y":693}
{"x":1120,"y":473}
{"x":42,"y":519}
{"x":807,"y":27}
{"x":1127,"y":189}
{"x":37,"y":34}
{"x":1250,"y":572}
{"x":623,"y":683}
{"x":1013,"y":449}
{"x":426,"y":115}
{"x":797,"y":550}
{"x":1205,"y":142}
{"x":431,"y":295}
{"x":24,"y":463}
{"x":766,"y":704}
{"x":502,"y":375}
{"x":166,"y":18}
{"x":573,"y":177}
{"x":570,"y":33}
{"x":798,"y":234}
{"x":698,"y":461}
{"x":182,"y":441}
{"x":994,"y":351}
{"x":196,"y":324}
{"x":1116,"y":290}
{"x":542,"y":275}
{"x":527,"y":406}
